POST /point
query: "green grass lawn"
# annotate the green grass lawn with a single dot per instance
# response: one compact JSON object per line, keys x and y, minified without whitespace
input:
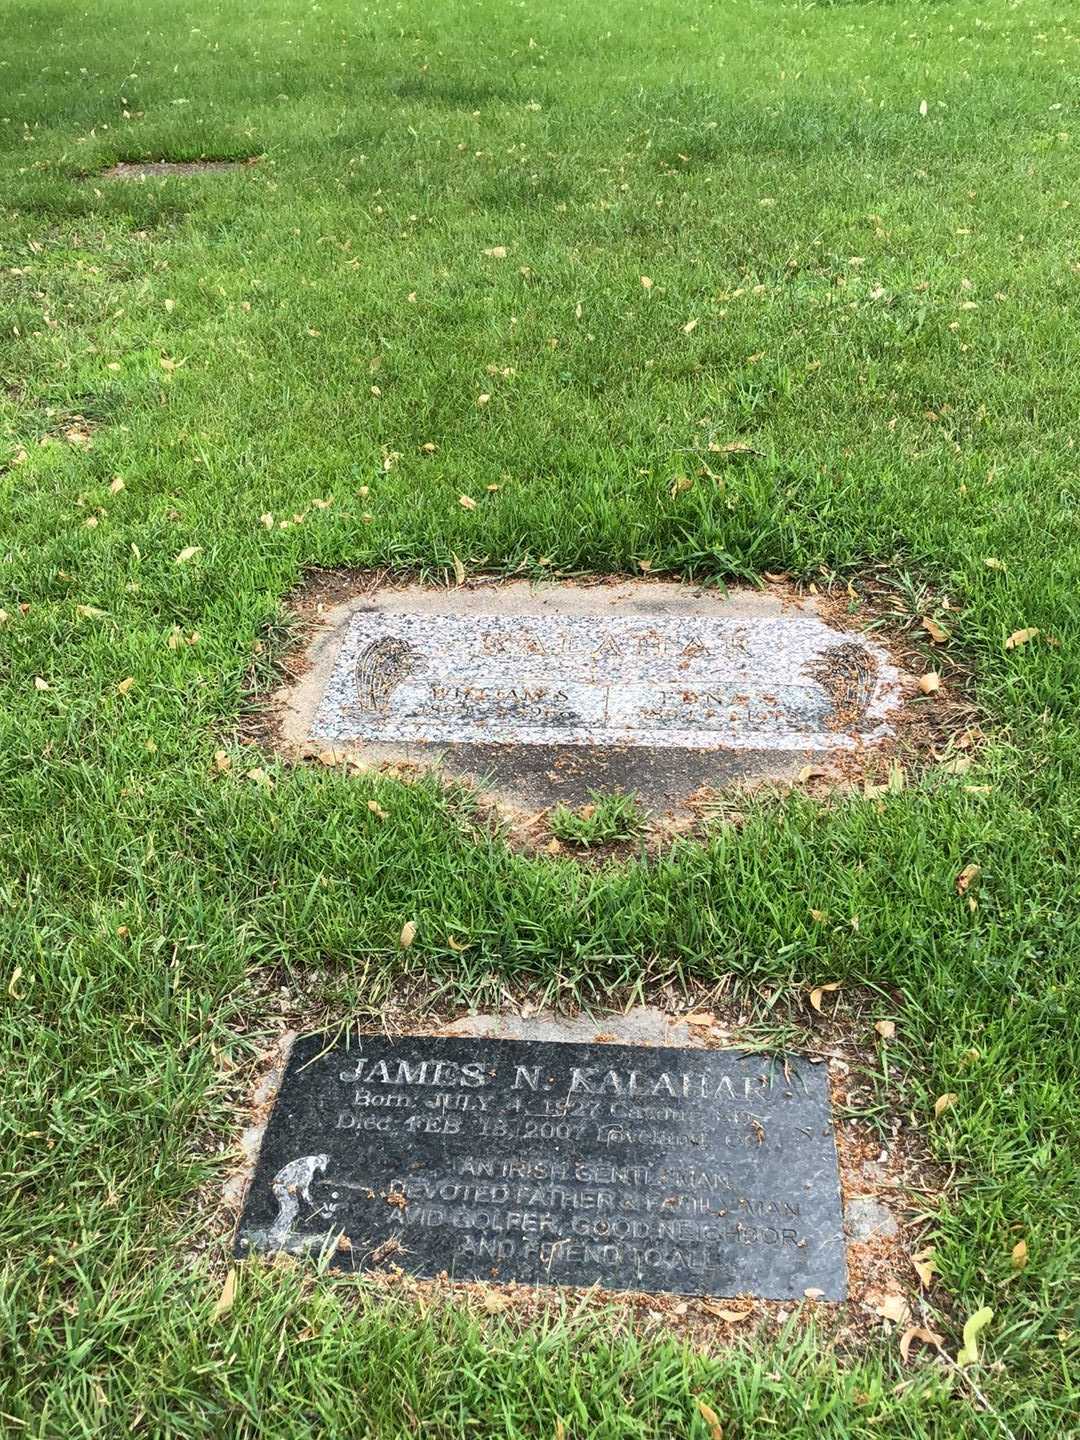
{"x":859,"y":227}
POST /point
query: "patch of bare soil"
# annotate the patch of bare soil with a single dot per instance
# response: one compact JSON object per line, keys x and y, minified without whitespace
{"x":149,"y":169}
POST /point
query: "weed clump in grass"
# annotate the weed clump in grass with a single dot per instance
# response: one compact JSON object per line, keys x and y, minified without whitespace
{"x":605,"y":818}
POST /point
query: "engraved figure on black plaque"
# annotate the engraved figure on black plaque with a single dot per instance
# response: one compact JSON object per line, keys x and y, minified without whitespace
{"x":381,"y":667}
{"x":294,"y":1177}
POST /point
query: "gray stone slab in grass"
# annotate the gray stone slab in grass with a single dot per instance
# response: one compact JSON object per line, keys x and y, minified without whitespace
{"x":559,"y":689}
{"x":653,"y":1168}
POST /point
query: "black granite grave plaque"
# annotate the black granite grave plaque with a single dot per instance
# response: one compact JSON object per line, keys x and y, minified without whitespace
{"x":638,"y":1168}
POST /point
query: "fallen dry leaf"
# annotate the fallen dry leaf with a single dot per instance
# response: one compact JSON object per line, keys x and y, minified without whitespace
{"x":458,"y":946}
{"x":88,"y":612}
{"x":934,"y":630}
{"x":923,"y":1262}
{"x":712,"y":1420}
{"x":1019,"y":1255}
{"x":968,"y":875}
{"x":701,"y":1017}
{"x":992,"y":563}
{"x":116,"y":486}
{"x":646,"y":282}
{"x":885,"y":1028}
{"x":1020,"y":637}
{"x":408,"y":934}
{"x":40,"y":684}
{"x":459,"y":570}
{"x":731,"y":1316}
{"x":466,"y":502}
{"x":259,"y":777}
{"x":188,"y":553}
{"x":820,"y":990}
{"x":894,"y":1308}
{"x":125,"y":685}
{"x":689,"y":327}
{"x":930,"y":683}
{"x":497,"y":252}
{"x":957,"y":765}
{"x":13,"y":984}
{"x":944,"y":1102}
{"x":226,"y":1298}
{"x":917,"y":1332}
{"x":377,"y":809}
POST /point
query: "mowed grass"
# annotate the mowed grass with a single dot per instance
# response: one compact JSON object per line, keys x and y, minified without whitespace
{"x":858,"y":225}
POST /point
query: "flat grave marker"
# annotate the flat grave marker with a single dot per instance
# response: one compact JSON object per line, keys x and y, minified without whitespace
{"x":707,"y":1172}
{"x":558,"y":689}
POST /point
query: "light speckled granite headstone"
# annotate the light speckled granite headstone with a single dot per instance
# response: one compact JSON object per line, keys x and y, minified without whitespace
{"x":561,"y":688}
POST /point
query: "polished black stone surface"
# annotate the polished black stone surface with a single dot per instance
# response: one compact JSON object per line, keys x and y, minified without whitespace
{"x":638,"y":1168}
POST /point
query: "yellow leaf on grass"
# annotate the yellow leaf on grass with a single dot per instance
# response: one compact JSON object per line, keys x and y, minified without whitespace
{"x":930,"y":683}
{"x":40,"y":684}
{"x":944,"y":1102}
{"x":1020,"y":637}
{"x":116,"y":486}
{"x":968,"y":875}
{"x":1019,"y":1255}
{"x":689,"y":327}
{"x":712,"y":1420}
{"x":408,"y":934}
{"x":646,"y":282}
{"x":924,"y":1266}
{"x":377,"y":809}
{"x":885,"y":1028}
{"x":125,"y":685}
{"x":226,"y":1298}
{"x":934,"y":630}
{"x":458,"y":946}
{"x":466,"y":502}
{"x":992,"y":563}
{"x":497,"y":252}
{"x":13,"y":984}
{"x":221,"y":761}
{"x":820,"y":990}
{"x":976,"y":1323}
{"x":459,"y":570}
{"x":188,"y":553}
{"x":88,"y":612}
{"x":260,"y":777}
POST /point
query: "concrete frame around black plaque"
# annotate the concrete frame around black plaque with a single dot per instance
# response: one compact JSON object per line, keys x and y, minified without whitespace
{"x":552,"y":691}
{"x":646,"y":1168}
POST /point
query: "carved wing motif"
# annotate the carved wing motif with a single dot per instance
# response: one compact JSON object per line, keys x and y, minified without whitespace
{"x":380,"y":668}
{"x":847,"y":673}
